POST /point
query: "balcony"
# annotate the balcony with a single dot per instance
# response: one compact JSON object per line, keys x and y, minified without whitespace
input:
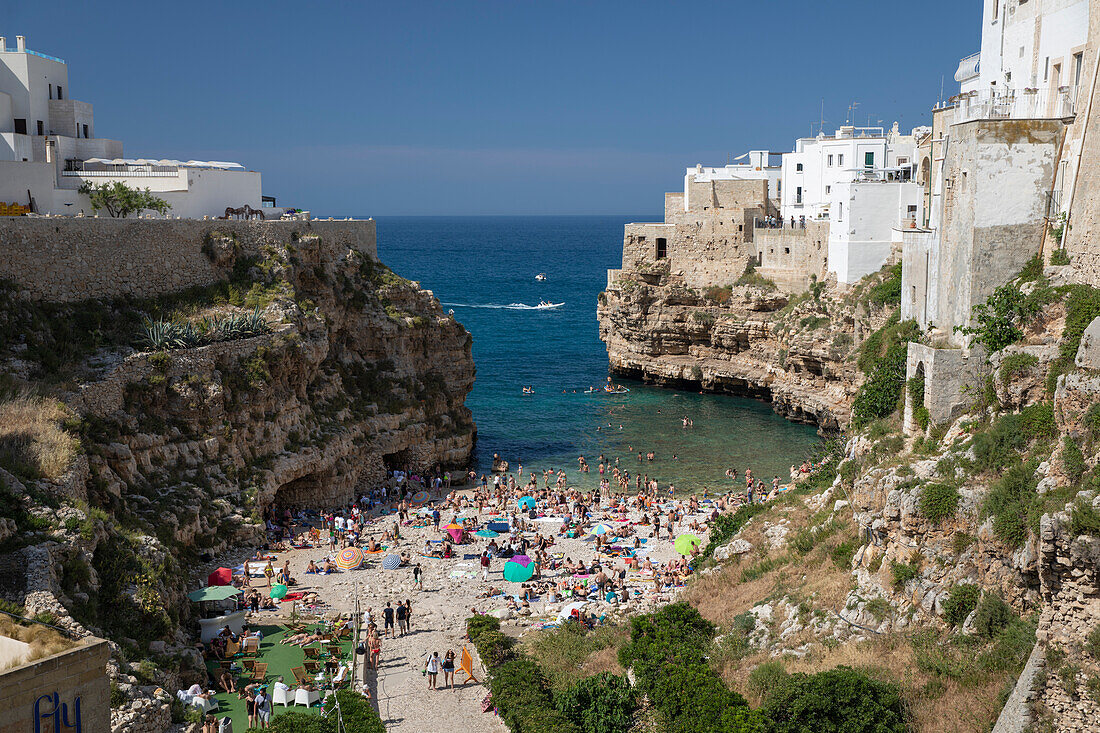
{"x":968,"y":68}
{"x":1013,"y":104}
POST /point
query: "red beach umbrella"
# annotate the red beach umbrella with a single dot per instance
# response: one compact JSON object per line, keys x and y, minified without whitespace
{"x":221,"y":576}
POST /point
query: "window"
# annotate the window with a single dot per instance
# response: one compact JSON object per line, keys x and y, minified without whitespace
{"x":1046,"y":69}
{"x":798,"y":167}
{"x":996,"y":11}
{"x":20,"y":127}
{"x":786,"y":250}
{"x":840,"y":211}
{"x":840,"y":159}
{"x":85,"y":131}
{"x":40,"y":128}
{"x":830,"y":164}
{"x":869,"y":159}
{"x":59,"y":94}
{"x":902,"y":160}
{"x":641,"y":238}
{"x":1077,"y":68}
{"x":662,"y":248}
{"x":797,"y":192}
{"x":911,"y":211}
{"x":51,"y":90}
{"x":828,"y":189}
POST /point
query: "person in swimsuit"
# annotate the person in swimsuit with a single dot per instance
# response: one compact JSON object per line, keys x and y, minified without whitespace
{"x":431,"y":668}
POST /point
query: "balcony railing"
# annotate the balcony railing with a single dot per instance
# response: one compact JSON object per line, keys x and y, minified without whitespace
{"x":121,"y":174}
{"x":1024,"y":104}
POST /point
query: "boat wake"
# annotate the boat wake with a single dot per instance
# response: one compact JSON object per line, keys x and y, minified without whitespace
{"x":510,"y":306}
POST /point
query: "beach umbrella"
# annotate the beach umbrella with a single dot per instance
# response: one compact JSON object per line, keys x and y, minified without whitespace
{"x":526,"y":503}
{"x":487,"y":533}
{"x":419,"y":497}
{"x":685,"y":543}
{"x":278,"y":591}
{"x":349,"y":558}
{"x":567,"y":610}
{"x":221,"y":576}
{"x":455,"y":531}
{"x":391,"y":562}
{"x":601,"y":529}
{"x":213,"y":593}
{"x":522,"y":560}
{"x":517,"y":572}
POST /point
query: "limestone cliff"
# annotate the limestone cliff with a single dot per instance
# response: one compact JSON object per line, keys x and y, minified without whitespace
{"x":165,"y":455}
{"x":747,"y":338}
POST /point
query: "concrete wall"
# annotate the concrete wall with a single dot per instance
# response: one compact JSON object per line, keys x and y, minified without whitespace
{"x":73,"y":259}
{"x":76,"y":674}
{"x":863,"y":217}
{"x":1082,"y":241}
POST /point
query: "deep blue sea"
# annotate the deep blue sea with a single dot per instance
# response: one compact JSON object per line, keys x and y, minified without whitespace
{"x":484,"y":269}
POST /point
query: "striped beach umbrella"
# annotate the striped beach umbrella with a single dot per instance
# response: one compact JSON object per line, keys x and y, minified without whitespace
{"x":391,"y":562}
{"x":349,"y":558}
{"x":601,"y":529}
{"x":419,"y":497}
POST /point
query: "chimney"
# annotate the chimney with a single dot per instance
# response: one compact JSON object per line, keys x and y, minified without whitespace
{"x":21,"y":43}
{"x":3,"y":44}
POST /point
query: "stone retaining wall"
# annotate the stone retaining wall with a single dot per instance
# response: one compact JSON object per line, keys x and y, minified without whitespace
{"x":77,"y":674}
{"x":73,"y":259}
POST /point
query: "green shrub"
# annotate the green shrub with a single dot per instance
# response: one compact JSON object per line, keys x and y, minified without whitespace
{"x":1092,"y":642}
{"x":843,"y":553}
{"x":358,"y":715}
{"x":887,"y":292}
{"x":752,"y":278}
{"x":1001,"y":317}
{"x":878,"y":396}
{"x":1068,"y":675}
{"x":879,"y":607}
{"x":902,"y":573}
{"x":1091,"y":420}
{"x":1015,"y":364}
{"x":768,"y":678}
{"x":1011,"y":501}
{"x":1073,"y":461}
{"x":938,"y":501}
{"x":1059,"y":257}
{"x":1082,"y":306}
{"x":961,"y":541}
{"x":1037,"y":421}
{"x":840,"y":699}
{"x":999,"y":446}
{"x":1084,"y":520}
{"x":603,"y":703}
{"x":962,"y":599}
{"x":522,"y":697}
{"x":992,"y":616}
{"x":707,"y":319}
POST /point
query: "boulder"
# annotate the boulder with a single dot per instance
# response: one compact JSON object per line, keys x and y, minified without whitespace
{"x":1088,"y":353}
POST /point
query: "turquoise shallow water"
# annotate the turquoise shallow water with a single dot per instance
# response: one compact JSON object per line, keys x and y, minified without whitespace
{"x":484,"y":268}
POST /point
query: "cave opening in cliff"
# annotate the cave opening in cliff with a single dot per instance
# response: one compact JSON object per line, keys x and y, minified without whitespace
{"x":300,"y":493}
{"x":398,"y":461}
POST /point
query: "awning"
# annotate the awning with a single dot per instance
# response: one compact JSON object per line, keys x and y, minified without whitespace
{"x":968,"y":68}
{"x":213,"y":593}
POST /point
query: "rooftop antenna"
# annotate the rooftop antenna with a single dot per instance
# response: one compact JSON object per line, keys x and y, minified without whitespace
{"x":851,"y":109}
{"x":821,"y":120}
{"x":941,"y":90}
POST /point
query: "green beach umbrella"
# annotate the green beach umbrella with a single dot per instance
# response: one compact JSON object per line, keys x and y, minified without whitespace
{"x":486,"y":533}
{"x":213,"y":593}
{"x":518,"y":572}
{"x":685,"y":543}
{"x":278,"y":591}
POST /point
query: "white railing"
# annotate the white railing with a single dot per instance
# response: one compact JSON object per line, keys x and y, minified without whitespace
{"x":121,"y":174}
{"x":1021,"y":104}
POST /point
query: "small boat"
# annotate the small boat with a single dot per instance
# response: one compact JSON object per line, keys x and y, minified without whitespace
{"x":541,"y":277}
{"x":545,"y":305}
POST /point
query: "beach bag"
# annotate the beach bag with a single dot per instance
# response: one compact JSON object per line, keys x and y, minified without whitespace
{"x":225,"y":725}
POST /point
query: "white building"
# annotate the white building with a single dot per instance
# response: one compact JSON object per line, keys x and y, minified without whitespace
{"x":48,"y":149}
{"x":867,"y":215}
{"x":758,"y":165}
{"x":818,"y":164}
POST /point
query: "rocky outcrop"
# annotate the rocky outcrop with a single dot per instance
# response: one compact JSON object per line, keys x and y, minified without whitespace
{"x":793,"y":350}
{"x":186,"y":450}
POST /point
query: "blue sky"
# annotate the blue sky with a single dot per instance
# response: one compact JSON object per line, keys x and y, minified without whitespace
{"x":514,"y":107}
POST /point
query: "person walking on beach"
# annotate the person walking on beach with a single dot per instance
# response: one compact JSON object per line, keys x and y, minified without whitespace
{"x":408,"y":615}
{"x":263,"y":709}
{"x":431,"y":668}
{"x":449,"y":669}
{"x":485,"y":561}
{"x":418,"y":577}
{"x":402,"y":621}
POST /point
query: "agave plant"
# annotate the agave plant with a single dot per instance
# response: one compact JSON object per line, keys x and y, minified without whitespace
{"x":161,"y":335}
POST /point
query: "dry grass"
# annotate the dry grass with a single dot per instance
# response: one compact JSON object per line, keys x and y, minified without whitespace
{"x":44,"y":641}
{"x":32,"y":439}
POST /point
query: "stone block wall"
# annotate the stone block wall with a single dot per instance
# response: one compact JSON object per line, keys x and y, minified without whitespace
{"x":77,"y":674}
{"x":950,"y":376}
{"x":789,"y":256}
{"x":74,"y":259}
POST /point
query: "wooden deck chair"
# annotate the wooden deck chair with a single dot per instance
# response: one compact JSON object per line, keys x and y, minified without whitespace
{"x":248,"y":664}
{"x":251,"y":645}
{"x":232,"y":648}
{"x":466,"y":664}
{"x":311,"y":666}
{"x":300,"y":675}
{"x":312,"y":652}
{"x":259,"y":672}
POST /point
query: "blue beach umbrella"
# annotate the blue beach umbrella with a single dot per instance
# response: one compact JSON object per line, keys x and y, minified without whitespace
{"x":527,"y":502}
{"x":487,"y":533}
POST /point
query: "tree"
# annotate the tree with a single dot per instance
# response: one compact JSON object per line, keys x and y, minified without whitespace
{"x":1001,"y":318}
{"x":841,"y":700}
{"x":120,"y":200}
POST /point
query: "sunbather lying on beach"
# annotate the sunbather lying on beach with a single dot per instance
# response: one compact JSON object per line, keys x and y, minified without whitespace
{"x":301,"y":639}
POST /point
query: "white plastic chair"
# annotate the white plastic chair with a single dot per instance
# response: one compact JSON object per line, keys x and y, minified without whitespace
{"x":280,"y":697}
{"x":306,"y":697}
{"x":207,"y":706}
